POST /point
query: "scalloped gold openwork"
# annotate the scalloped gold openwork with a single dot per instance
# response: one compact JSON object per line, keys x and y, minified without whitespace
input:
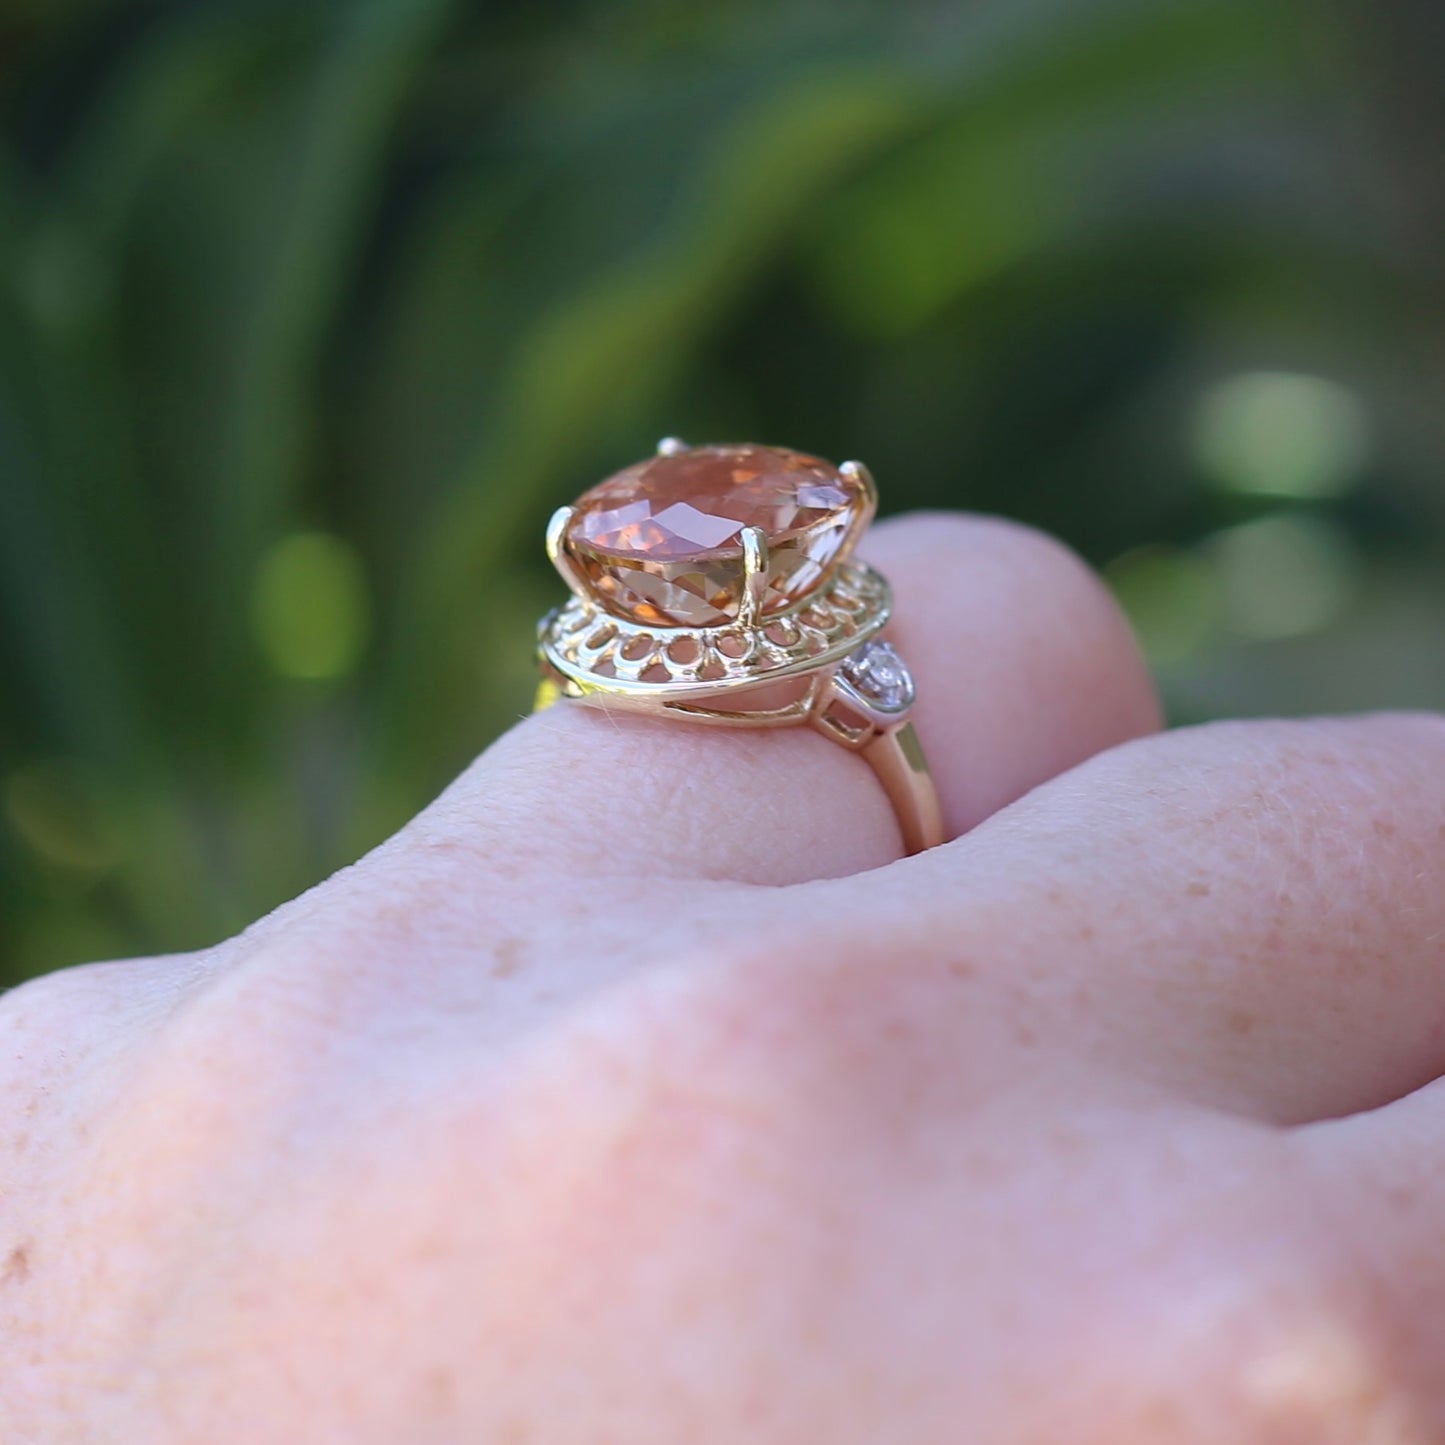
{"x":716,"y":584}
{"x":596,"y":651}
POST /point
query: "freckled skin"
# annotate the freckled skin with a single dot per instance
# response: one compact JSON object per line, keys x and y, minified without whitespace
{"x":511,"y":957}
{"x":730,"y":1126}
{"x":16,"y":1267}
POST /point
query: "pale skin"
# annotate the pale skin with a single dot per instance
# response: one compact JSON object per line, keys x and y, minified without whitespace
{"x":637,"y":1093}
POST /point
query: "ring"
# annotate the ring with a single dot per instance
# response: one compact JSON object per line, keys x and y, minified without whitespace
{"x":717,"y":584}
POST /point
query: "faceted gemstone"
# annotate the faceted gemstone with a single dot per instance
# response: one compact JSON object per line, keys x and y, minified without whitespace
{"x":661,"y":542}
{"x":880,"y":676}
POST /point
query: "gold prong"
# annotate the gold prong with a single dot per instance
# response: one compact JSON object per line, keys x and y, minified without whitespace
{"x":671,"y":446}
{"x":858,"y":472}
{"x":557,"y":550}
{"x":755,"y":576}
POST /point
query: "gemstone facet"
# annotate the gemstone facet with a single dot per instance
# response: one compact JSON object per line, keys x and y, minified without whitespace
{"x":880,"y":677}
{"x":661,"y":542}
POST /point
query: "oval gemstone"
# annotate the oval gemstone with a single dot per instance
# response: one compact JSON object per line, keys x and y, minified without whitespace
{"x":661,"y":541}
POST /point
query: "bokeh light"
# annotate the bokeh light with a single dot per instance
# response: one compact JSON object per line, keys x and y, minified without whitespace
{"x":56,"y":810}
{"x":1283,"y":576}
{"x":1282,"y":434}
{"x":311,"y":610}
{"x":1171,"y":596}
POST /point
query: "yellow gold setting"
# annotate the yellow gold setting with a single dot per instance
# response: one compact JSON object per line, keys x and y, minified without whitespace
{"x":818,"y":661}
{"x":594,"y":651}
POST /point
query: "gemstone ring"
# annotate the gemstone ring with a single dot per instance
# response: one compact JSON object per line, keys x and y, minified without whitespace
{"x":717,"y":584}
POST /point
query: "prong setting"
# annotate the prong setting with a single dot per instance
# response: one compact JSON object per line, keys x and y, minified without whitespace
{"x":755,"y":576}
{"x":557,"y":550}
{"x":858,"y":472}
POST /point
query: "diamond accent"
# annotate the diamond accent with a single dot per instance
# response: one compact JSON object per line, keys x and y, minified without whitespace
{"x":880,"y":677}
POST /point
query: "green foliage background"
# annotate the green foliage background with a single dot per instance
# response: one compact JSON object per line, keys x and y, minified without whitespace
{"x":311,"y":312}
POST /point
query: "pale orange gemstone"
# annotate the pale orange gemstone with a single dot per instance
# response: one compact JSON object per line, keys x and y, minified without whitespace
{"x":661,"y":541}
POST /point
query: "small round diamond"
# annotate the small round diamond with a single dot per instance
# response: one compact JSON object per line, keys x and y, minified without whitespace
{"x":880,"y":677}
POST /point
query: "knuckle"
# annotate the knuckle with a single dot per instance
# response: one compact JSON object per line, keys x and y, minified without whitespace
{"x":1321,"y":1381}
{"x":677,"y":1083}
{"x":1034,"y":564}
{"x":39,"y":1022}
{"x":659,"y":1148}
{"x":235,"y":1062}
{"x":669,"y":1086}
{"x":1272,"y":1356}
{"x":62,"y":1026}
{"x":39,"y":1013}
{"x":1032,"y":579}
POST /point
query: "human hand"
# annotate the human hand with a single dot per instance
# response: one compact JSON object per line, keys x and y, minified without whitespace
{"x":614,"y":1100}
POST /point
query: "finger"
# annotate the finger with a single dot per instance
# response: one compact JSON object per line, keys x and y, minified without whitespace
{"x":1024,"y":667}
{"x":1383,"y":1172}
{"x":1253,"y":911}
